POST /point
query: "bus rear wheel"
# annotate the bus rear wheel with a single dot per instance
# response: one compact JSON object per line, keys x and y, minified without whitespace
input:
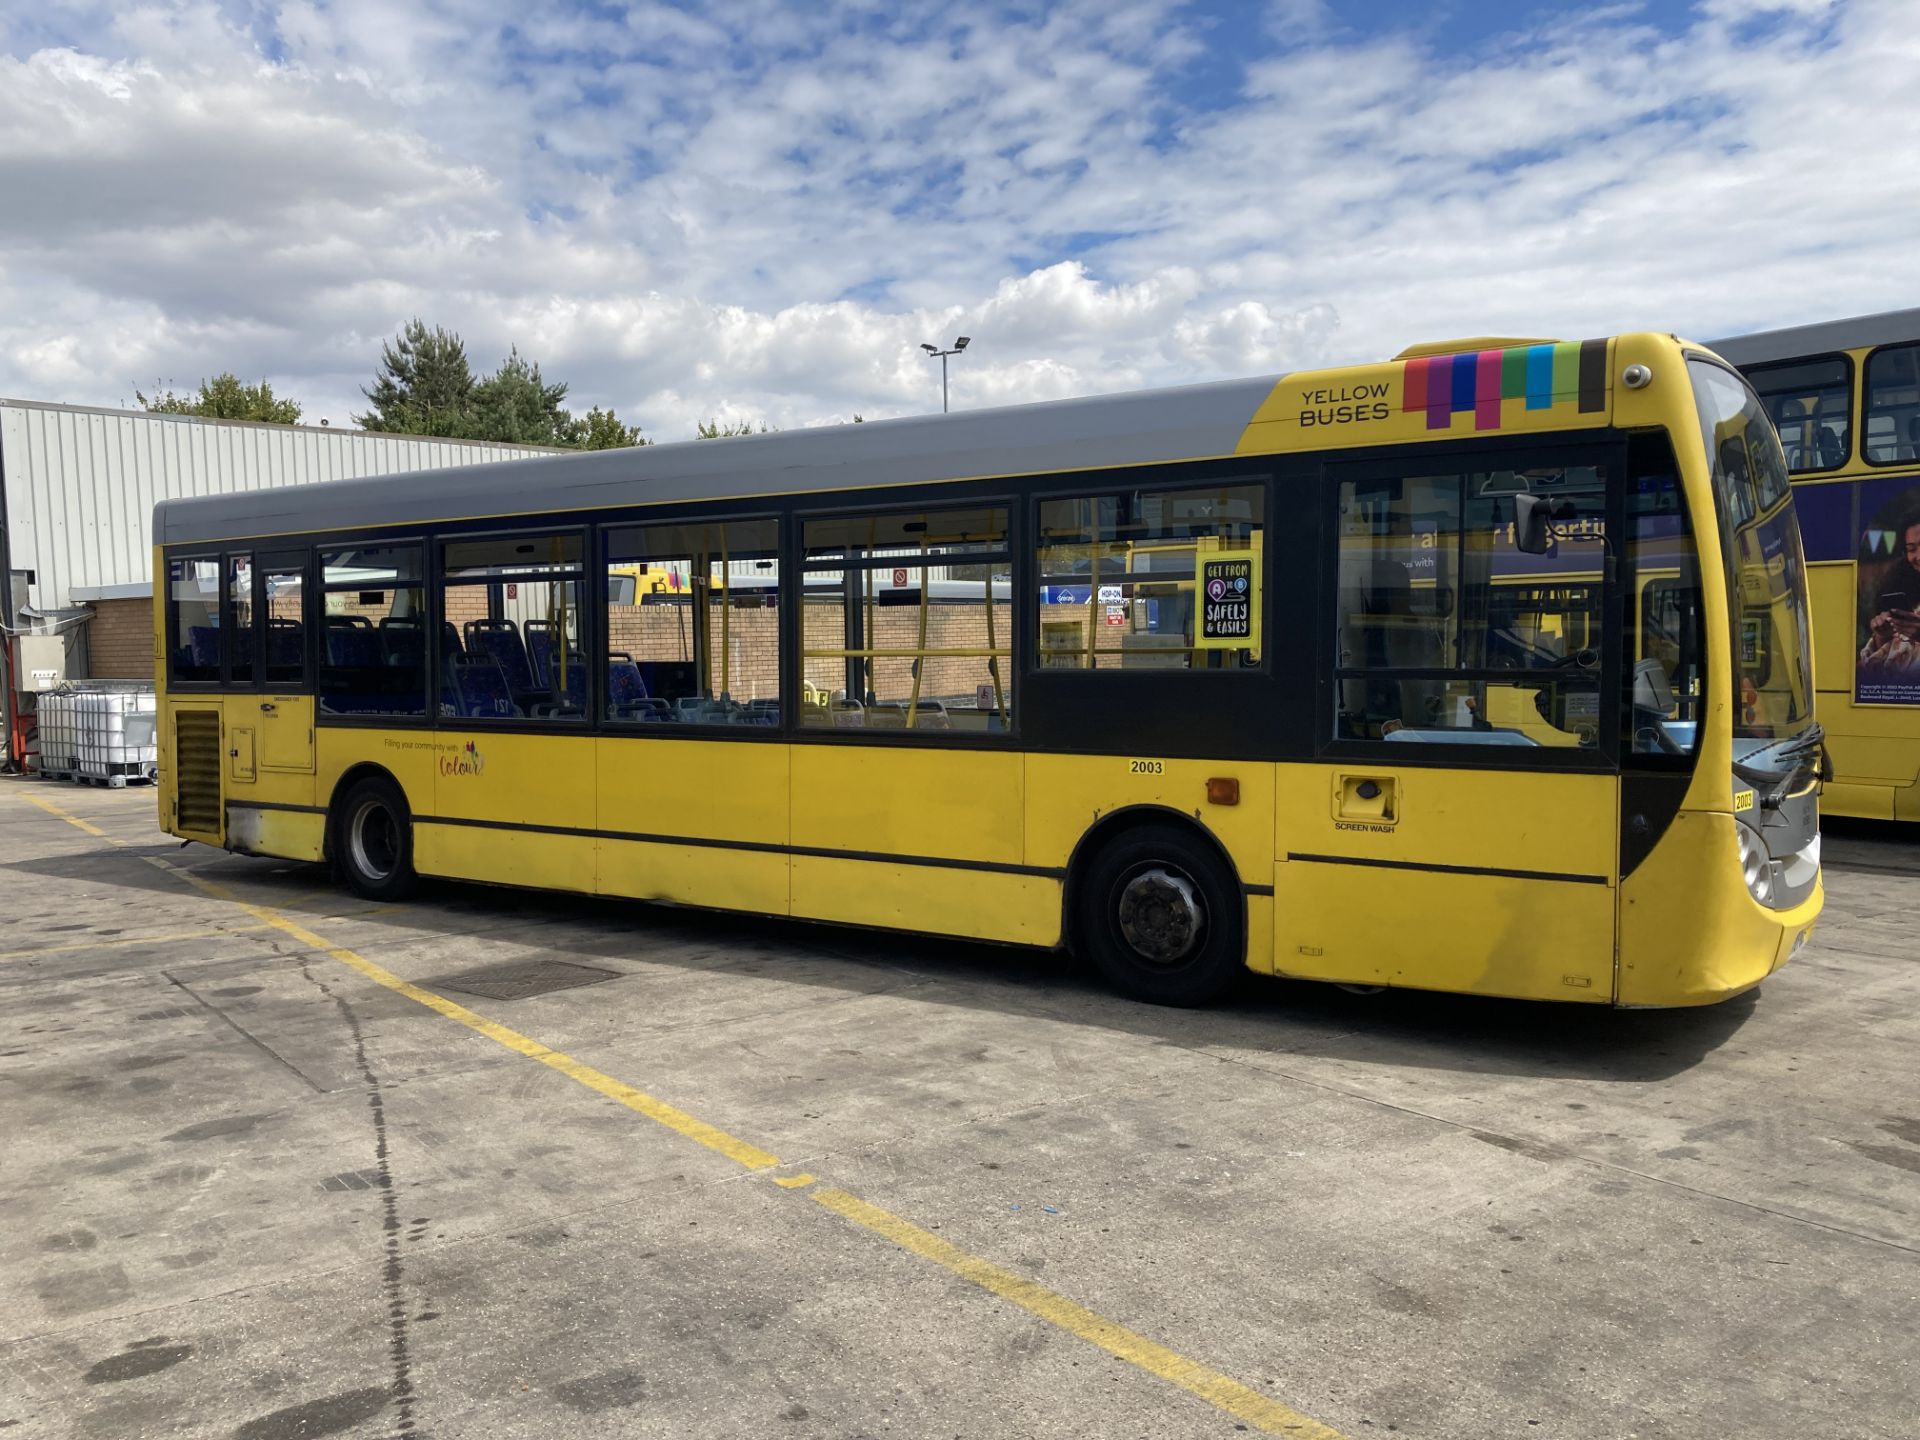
{"x":1160,"y":918}
{"x":373,"y":840}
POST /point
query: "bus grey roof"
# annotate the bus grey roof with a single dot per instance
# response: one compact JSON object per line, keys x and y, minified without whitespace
{"x":1887,"y":328}
{"x":1184,"y":423}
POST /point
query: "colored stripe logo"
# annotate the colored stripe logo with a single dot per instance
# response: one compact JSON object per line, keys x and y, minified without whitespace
{"x":1544,"y":376}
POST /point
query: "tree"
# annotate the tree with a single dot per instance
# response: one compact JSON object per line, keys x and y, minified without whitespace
{"x":725,"y":429}
{"x":425,"y":386}
{"x":600,"y":430}
{"x":516,"y":406}
{"x":225,"y":398}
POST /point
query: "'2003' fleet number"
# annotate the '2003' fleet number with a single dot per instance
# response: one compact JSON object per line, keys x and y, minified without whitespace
{"x":1146,"y":767}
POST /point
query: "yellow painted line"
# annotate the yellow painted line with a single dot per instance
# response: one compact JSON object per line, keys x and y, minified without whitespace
{"x":74,"y":820}
{"x":1240,"y":1401}
{"x":1221,"y":1391}
{"x":113,"y":940}
{"x":655,"y":1109}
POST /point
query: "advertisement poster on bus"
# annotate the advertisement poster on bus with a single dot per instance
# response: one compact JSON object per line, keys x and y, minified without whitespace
{"x":1887,"y":663}
{"x":1229,"y":605}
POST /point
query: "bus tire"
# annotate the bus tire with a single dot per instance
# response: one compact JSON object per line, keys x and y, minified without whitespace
{"x":373,"y":840}
{"x":1159,"y":915}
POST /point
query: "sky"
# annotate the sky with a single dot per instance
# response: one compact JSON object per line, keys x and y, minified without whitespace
{"x":760,"y":210}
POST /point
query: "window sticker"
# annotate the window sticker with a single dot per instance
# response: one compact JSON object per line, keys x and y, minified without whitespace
{"x":1229,"y":605}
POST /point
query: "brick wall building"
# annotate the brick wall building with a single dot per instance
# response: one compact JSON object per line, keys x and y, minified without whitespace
{"x":120,"y":640}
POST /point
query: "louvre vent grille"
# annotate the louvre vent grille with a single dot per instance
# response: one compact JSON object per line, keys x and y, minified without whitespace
{"x":196,"y":770}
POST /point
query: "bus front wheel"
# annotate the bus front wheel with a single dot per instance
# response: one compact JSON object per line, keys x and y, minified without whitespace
{"x":1160,"y":918}
{"x":373,"y":840}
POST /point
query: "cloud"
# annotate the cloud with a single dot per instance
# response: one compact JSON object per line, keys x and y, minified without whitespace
{"x":761,"y":210}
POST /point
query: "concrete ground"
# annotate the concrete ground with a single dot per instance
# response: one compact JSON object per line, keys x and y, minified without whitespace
{"x":777,"y":1180}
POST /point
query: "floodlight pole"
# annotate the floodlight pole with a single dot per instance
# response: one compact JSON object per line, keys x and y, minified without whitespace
{"x":933,"y":350}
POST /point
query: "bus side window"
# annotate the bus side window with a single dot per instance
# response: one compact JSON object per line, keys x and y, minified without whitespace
{"x":1446,"y":631}
{"x":1660,"y":565}
{"x":1810,"y":403}
{"x":907,"y":620}
{"x":241,"y":644}
{"x":511,"y":640}
{"x":693,"y":624}
{"x":373,"y":611}
{"x":1125,"y":578}
{"x":1893,"y":404}
{"x":193,"y":621}
{"x":283,"y":651}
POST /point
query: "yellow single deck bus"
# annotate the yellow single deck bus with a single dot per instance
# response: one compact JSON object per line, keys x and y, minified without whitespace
{"x":1481,"y":670}
{"x":1845,"y":397}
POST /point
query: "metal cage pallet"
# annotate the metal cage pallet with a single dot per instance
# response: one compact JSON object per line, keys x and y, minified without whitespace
{"x":98,"y":734}
{"x":145,"y":775}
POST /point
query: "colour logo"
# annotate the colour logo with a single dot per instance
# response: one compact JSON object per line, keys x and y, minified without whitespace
{"x":465,"y":761}
{"x":1545,"y":376}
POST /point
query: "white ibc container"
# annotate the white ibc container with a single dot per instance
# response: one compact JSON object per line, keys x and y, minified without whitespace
{"x":116,"y":734}
{"x":59,"y":732}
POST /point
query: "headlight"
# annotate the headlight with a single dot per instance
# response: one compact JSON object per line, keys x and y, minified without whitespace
{"x":1755,"y":863}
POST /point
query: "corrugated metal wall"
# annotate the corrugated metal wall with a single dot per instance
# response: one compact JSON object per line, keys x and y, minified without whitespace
{"x":81,"y":483}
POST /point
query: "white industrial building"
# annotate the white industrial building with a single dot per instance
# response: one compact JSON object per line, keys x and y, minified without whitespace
{"x":77,"y":490}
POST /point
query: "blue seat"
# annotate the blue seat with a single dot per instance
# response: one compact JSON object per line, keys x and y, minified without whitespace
{"x":669,"y":680}
{"x":499,"y":641}
{"x":355,"y":678}
{"x":627,"y":697}
{"x":286,"y":645}
{"x":403,"y":641}
{"x":203,"y":646}
{"x":573,"y":695}
{"x":354,"y":647}
{"x":624,"y":685}
{"x":541,"y":644}
{"x":479,"y":688}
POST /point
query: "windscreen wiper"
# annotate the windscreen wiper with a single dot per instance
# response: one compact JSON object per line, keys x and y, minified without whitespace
{"x":1807,"y":750}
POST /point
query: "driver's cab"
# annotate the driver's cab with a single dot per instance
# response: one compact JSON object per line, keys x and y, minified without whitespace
{"x":1465,"y":638}
{"x":1474,"y":603}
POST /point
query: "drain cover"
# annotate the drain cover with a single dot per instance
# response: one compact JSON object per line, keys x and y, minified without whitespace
{"x":521,"y":978}
{"x":355,"y":1180}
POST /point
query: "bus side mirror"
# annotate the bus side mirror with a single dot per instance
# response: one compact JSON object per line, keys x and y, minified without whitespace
{"x":1532,"y":535}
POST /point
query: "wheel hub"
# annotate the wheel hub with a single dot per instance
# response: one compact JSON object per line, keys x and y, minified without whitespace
{"x":1160,"y":915}
{"x":372,"y":837}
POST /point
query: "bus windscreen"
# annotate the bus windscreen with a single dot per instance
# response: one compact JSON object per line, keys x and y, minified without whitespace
{"x":1766,"y":570}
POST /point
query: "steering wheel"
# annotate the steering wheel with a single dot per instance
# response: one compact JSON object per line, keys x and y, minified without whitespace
{"x":1663,"y":743}
{"x":1585,"y":658}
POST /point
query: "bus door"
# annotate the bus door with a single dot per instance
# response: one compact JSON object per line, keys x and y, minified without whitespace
{"x":286,"y":706}
{"x":1463,"y":833}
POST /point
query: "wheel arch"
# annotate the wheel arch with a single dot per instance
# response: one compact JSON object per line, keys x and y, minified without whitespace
{"x":1118,"y":822}
{"x":350,"y":777}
